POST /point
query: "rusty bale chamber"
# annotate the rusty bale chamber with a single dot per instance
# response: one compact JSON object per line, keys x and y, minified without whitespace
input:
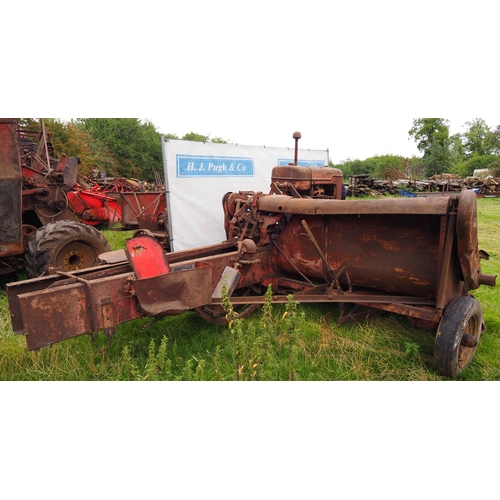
{"x":390,"y":245}
{"x":403,"y":255}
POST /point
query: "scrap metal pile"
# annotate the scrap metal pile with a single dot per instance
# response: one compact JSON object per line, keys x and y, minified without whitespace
{"x":64,"y":194}
{"x":365,"y":185}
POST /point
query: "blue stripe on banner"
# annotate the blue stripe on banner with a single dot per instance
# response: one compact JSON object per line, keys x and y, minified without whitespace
{"x":214,"y":166}
{"x":283,"y":162}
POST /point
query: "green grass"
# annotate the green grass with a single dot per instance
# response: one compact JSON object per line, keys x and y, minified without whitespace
{"x":117,"y":238}
{"x":286,"y":342}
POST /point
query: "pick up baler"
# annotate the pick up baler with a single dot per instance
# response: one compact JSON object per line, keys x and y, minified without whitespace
{"x":416,"y":257}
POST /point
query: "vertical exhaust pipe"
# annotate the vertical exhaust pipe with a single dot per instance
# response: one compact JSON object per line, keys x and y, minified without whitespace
{"x":296,"y":136}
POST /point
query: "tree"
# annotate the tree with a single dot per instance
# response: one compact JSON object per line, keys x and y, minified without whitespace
{"x":69,"y":139}
{"x":430,"y":131}
{"x":433,"y":140}
{"x":125,"y":147}
{"x":136,"y":145}
{"x":385,"y":166}
{"x":479,"y":139}
{"x":438,"y":159}
{"x":494,"y":139}
{"x":193,"y":136}
{"x":219,"y":140}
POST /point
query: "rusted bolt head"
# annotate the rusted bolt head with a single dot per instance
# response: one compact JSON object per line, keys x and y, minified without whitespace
{"x":297,"y":135}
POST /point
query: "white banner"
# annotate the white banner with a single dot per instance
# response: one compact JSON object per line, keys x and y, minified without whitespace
{"x":199,"y":174}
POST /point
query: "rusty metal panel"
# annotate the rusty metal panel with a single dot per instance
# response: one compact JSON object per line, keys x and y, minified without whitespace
{"x":11,"y":241}
{"x":143,"y":208}
{"x":303,"y":178}
{"x":289,"y":205}
{"x":17,"y":288}
{"x":47,"y":318}
{"x":468,"y":252}
{"x":68,"y":310}
{"x":180,"y":290}
{"x":396,"y":254}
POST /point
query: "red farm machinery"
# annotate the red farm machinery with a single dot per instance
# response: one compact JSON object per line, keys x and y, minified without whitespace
{"x":414,"y":257}
{"x":47,"y":209}
{"x":38,"y":228}
{"x":121,"y":204}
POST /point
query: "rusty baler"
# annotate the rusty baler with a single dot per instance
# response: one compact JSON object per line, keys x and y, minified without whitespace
{"x":416,"y":257}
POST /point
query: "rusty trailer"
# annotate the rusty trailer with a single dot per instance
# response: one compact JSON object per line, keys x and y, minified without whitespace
{"x":416,"y":257}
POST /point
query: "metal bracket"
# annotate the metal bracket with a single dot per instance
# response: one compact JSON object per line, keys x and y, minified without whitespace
{"x":108,"y":316}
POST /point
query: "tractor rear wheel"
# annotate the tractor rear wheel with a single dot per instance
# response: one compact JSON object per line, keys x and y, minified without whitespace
{"x":66,"y":245}
{"x":457,"y":336}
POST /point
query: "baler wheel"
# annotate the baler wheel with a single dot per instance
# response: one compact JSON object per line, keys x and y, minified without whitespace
{"x":457,"y":336}
{"x":66,"y":245}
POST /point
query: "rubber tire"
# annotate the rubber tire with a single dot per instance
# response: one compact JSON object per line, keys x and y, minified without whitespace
{"x":463,"y":315}
{"x":67,"y":245}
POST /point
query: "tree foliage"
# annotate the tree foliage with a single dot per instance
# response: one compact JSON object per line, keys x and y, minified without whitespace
{"x":136,"y":145}
{"x":475,"y":142}
{"x":428,"y":132}
{"x":477,"y":147}
{"x":481,"y":149}
{"x":385,"y":166}
{"x":433,"y":140}
{"x":193,"y":136}
{"x":124,"y":147}
{"x":130,"y":147}
{"x":72,"y":140}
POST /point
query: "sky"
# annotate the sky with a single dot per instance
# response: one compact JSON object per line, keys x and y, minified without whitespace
{"x":342,"y":140}
{"x":351,"y":77}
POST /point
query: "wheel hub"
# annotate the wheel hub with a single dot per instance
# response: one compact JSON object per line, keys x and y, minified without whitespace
{"x":468,"y":343}
{"x":74,"y":260}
